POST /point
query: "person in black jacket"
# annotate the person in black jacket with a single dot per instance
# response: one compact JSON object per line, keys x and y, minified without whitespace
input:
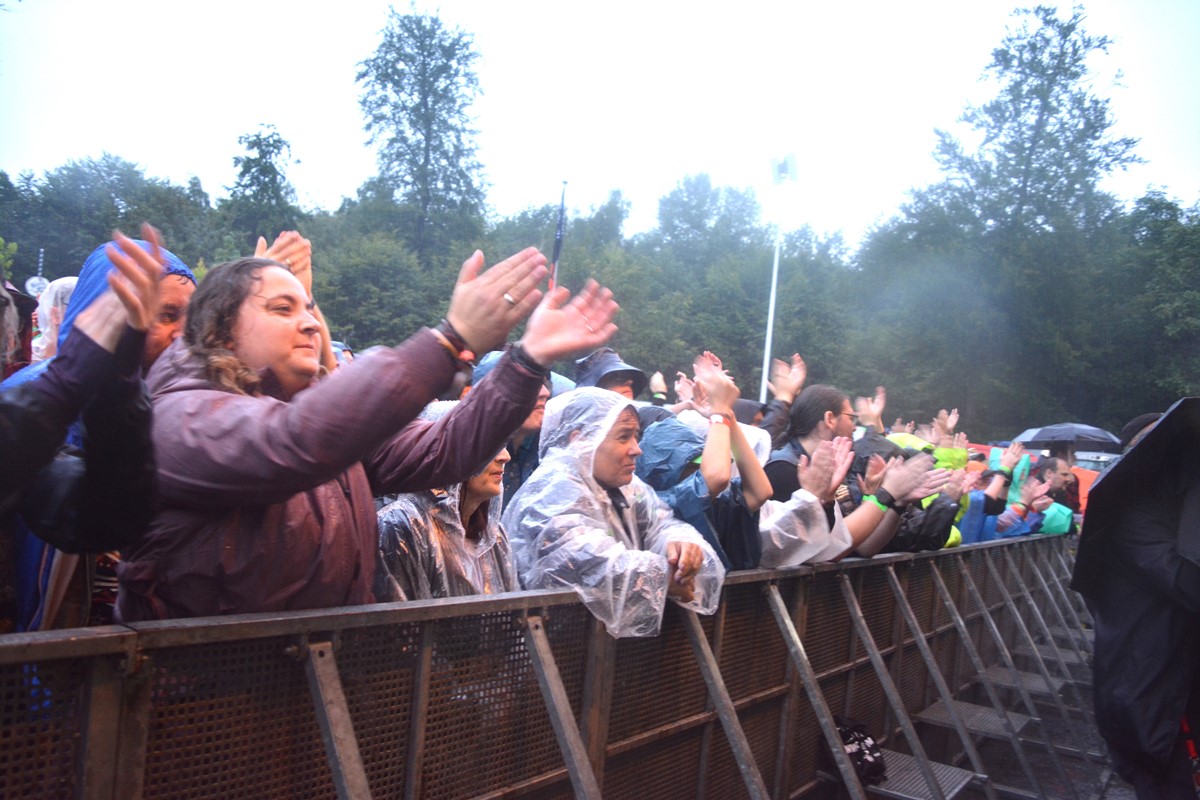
{"x":96,"y":373}
{"x":1138,"y":568}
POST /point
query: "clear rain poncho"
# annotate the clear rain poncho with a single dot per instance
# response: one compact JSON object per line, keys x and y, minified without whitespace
{"x":566,"y":530}
{"x":426,"y":551}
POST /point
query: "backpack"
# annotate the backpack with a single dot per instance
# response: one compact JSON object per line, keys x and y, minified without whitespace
{"x":862,"y":749}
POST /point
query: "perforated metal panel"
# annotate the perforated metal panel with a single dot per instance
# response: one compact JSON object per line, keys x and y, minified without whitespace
{"x":229,"y":713}
{"x":40,"y":728}
{"x":232,"y":720}
{"x":657,"y":680}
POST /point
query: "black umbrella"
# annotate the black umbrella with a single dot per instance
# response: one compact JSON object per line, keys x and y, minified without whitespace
{"x":1084,"y":437}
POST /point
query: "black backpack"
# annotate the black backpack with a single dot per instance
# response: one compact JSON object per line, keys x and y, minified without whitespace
{"x":862,"y":749}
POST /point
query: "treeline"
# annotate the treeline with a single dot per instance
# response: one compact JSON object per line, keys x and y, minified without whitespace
{"x":1014,"y":289}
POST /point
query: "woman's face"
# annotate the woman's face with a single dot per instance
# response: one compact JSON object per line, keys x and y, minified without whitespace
{"x":276,"y":330}
{"x":490,"y":482}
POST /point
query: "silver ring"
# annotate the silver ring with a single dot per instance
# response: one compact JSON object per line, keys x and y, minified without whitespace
{"x":287,"y":261}
{"x":508,"y":298}
{"x":589,"y":327}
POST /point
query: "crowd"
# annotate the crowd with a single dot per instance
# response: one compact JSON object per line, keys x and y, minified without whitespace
{"x":179,"y":449}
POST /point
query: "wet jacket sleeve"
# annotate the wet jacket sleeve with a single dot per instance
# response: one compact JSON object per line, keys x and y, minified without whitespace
{"x":427,"y":455}
{"x":798,"y":531}
{"x":775,"y":422}
{"x":221,"y":449}
{"x":660,"y":527}
{"x":34,"y":416}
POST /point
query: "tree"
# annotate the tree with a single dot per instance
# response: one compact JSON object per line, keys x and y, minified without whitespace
{"x":262,"y":201}
{"x":1046,"y":135}
{"x":417,"y":90}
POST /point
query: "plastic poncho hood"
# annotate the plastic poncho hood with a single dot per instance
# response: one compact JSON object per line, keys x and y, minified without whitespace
{"x":609,"y":545}
{"x":425,"y":548}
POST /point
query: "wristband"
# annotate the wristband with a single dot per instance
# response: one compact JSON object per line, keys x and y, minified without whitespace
{"x":873,"y":499}
{"x":522,"y":357}
{"x":460,"y":355}
{"x":718,"y":419}
{"x":885,"y":497}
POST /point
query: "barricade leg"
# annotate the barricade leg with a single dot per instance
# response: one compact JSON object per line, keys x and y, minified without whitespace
{"x":935,"y":673}
{"x":968,"y":644}
{"x":1013,"y":673}
{"x":559,"y":706}
{"x":815,"y":698}
{"x":719,"y":697}
{"x":337,"y":729}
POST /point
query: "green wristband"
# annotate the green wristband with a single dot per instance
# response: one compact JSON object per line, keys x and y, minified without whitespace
{"x":872,"y":498}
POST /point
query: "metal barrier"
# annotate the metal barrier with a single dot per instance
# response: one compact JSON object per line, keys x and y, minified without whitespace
{"x":525,"y":695}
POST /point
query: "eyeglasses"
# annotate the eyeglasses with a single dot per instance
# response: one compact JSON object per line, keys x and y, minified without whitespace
{"x":849,"y":414}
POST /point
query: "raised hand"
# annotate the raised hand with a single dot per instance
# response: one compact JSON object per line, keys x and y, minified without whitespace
{"x":1033,"y":489}
{"x":584,"y":323}
{"x":827,"y":469}
{"x":716,"y":385}
{"x":905,"y":477}
{"x":294,"y":252}
{"x":138,"y":277}
{"x":870,"y":409}
{"x":486,"y":305}
{"x":685,"y":388}
{"x":787,"y":379}
{"x":1012,"y":455}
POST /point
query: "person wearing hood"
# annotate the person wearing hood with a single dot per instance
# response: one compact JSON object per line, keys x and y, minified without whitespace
{"x":722,"y":508}
{"x":447,"y":542}
{"x":52,"y":305}
{"x":46,"y":573}
{"x":585,"y":521}
{"x":605,"y":370}
{"x":62,"y":500}
{"x":267,"y":476}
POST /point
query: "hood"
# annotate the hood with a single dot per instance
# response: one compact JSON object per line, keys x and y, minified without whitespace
{"x":93,"y":281}
{"x":668,"y":447}
{"x":604,"y":362}
{"x":56,"y":296}
{"x":576,"y":423}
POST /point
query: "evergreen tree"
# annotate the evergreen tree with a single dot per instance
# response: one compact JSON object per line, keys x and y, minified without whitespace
{"x":417,"y":91}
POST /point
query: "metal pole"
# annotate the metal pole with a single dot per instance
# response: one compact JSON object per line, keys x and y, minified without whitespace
{"x":766,"y":368}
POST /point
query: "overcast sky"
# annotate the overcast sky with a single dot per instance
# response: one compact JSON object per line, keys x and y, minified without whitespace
{"x":615,"y":95}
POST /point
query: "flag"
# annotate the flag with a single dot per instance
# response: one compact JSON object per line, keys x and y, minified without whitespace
{"x":558,"y":236}
{"x":783,"y":169}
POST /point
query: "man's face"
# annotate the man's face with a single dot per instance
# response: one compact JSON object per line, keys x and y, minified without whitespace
{"x":176,"y":292}
{"x":616,"y":457}
{"x":620,"y":383}
{"x":1059,"y":476}
{"x":846,"y":421}
{"x":533,"y":422}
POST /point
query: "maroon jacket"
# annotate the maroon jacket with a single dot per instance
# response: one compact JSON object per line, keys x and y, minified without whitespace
{"x":267,"y":505}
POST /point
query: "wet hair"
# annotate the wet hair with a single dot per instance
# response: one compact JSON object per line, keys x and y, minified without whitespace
{"x":212,"y":316}
{"x":809,"y":408}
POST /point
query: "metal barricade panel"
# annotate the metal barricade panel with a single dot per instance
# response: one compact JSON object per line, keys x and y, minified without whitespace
{"x":761,"y":724}
{"x":829,"y":631}
{"x":753,"y":656}
{"x":487,"y":725}
{"x":378,"y":667}
{"x":657,"y":680}
{"x":232,"y":720}
{"x":41,"y":722}
{"x":666,"y":769}
{"x":878,"y":606}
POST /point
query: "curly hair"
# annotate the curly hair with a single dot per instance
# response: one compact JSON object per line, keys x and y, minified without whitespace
{"x":212,"y":316}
